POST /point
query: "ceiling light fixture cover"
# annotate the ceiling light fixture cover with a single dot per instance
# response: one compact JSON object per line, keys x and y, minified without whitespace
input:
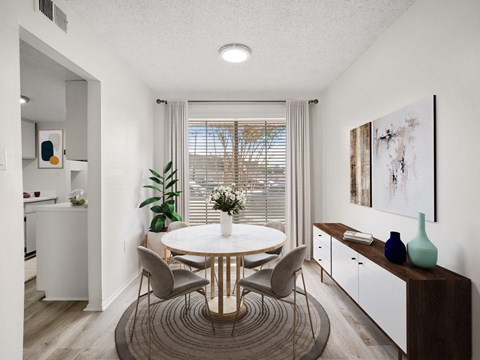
{"x":24,"y":99}
{"x":235,"y":53}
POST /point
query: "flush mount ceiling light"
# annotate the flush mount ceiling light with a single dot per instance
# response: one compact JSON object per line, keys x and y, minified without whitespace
{"x":235,"y":53}
{"x":24,"y":99}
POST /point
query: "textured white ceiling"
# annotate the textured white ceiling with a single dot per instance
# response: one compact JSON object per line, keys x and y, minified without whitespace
{"x":43,"y":81}
{"x":298,"y":47}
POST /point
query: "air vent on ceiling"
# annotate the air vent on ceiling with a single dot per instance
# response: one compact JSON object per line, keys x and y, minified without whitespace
{"x":53,"y":12}
{"x":46,"y":7}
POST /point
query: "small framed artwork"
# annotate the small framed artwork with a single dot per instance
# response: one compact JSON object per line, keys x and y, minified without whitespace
{"x":50,"y":149}
{"x":360,"y":169}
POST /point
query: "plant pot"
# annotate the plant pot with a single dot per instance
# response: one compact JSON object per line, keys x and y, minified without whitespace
{"x":225,"y":224}
{"x":420,"y":250}
{"x":154,"y":243}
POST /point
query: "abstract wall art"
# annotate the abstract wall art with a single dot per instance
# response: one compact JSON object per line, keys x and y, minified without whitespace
{"x":403,"y":160}
{"x":360,"y":169}
{"x":50,"y":149}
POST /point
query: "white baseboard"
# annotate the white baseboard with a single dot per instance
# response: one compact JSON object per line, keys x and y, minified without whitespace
{"x":64,"y":299}
{"x":111,"y":299}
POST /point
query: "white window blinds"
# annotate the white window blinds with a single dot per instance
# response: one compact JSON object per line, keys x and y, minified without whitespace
{"x":249,"y":153}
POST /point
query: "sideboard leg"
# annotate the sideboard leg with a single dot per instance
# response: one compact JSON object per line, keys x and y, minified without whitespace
{"x":321,"y":274}
{"x":400,"y":354}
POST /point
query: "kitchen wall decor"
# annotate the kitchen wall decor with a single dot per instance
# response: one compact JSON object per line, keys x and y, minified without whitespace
{"x":50,"y":149}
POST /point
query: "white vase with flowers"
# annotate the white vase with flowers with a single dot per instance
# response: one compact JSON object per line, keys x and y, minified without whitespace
{"x":229,"y":200}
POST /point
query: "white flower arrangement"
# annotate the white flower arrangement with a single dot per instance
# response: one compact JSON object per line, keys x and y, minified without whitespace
{"x":229,"y":199}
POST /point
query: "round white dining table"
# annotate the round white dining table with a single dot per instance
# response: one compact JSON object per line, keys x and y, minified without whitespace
{"x":206,"y":240}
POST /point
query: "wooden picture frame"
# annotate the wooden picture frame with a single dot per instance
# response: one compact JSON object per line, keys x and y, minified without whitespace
{"x":360,"y":165}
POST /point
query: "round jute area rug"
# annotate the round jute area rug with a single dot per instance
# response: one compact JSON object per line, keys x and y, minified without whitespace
{"x":177,"y":334}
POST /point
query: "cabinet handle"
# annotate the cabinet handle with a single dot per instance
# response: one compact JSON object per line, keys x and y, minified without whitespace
{"x":354,"y":258}
{"x":360,"y":263}
{"x":319,"y":247}
{"x":319,"y":259}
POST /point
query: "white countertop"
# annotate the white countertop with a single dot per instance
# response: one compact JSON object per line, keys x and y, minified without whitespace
{"x":40,"y":198}
{"x":62,"y":207}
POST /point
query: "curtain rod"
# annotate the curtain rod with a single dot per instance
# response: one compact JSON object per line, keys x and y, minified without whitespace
{"x":314,"y":101}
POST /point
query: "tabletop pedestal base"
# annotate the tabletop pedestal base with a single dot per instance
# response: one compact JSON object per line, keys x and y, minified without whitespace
{"x":229,"y":309}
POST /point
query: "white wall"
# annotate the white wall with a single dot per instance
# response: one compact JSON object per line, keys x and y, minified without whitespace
{"x":433,"y":49}
{"x":11,"y":207}
{"x":120,"y":154}
{"x":120,"y":150}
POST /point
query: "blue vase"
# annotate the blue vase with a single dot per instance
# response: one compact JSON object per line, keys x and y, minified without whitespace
{"x":395,"y":250}
{"x":421,"y":251}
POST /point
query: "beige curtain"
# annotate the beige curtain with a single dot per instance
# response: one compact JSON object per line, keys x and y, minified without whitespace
{"x":298,"y":198}
{"x":177,"y":150}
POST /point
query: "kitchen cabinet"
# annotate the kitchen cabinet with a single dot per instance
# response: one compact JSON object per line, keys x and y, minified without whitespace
{"x":76,"y":105}
{"x":426,"y":313}
{"x":28,"y":139}
{"x":30,"y":218}
{"x":62,"y":254}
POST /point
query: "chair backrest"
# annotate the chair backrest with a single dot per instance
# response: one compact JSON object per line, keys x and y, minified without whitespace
{"x":284,"y":273}
{"x":161,"y":276}
{"x":280,"y":227}
{"x":176,"y":225}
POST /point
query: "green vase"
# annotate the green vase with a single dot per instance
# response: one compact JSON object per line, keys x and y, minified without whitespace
{"x":420,"y":250}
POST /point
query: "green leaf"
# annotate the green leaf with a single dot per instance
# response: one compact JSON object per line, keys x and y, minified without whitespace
{"x":156,"y":174}
{"x":167,"y":167}
{"x":168,"y":207}
{"x":152,"y":187}
{"x":156,"y":209}
{"x":158,"y":181}
{"x":171,"y":183}
{"x":174,"y":216}
{"x":172,"y":194}
{"x":149,"y":201}
{"x":170,"y":176}
{"x":158,"y":223}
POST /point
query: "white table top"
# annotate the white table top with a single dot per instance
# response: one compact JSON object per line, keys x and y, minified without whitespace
{"x":207,"y":240}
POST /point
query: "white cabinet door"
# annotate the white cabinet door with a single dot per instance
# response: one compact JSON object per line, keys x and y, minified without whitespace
{"x":76,"y":106}
{"x":30,"y":235}
{"x":345,"y":268}
{"x":28,"y":140}
{"x":383,"y":296}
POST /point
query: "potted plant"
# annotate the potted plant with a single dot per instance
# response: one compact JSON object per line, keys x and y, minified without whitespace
{"x":163,"y":203}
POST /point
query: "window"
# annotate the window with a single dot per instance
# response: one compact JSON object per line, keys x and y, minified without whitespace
{"x":249,"y":153}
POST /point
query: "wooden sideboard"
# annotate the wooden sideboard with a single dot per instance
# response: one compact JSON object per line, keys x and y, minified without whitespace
{"x":426,"y":313}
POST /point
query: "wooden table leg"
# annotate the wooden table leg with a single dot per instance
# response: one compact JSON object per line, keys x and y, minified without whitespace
{"x":237,"y":279}
{"x":220,"y":285}
{"x":212,"y":277}
{"x":229,"y":286}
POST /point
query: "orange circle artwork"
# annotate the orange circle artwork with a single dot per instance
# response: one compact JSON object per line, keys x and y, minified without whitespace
{"x":54,"y":160}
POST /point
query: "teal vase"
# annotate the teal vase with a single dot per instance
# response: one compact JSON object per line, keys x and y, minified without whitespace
{"x":420,"y":250}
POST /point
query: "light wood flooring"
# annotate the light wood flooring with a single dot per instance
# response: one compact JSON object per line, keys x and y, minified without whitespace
{"x":62,"y":330}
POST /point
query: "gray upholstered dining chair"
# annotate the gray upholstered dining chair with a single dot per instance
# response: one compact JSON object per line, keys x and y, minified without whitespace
{"x":278,"y":283}
{"x":166,"y":284}
{"x":192,"y":261}
{"x":256,"y":260}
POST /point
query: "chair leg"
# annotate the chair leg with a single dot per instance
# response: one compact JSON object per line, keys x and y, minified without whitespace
{"x":294,"y":317}
{"x":201,"y":291}
{"x":263,"y":303}
{"x":308,"y":306}
{"x":238,"y":310}
{"x":149,"y":323}
{"x":136,"y":307}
